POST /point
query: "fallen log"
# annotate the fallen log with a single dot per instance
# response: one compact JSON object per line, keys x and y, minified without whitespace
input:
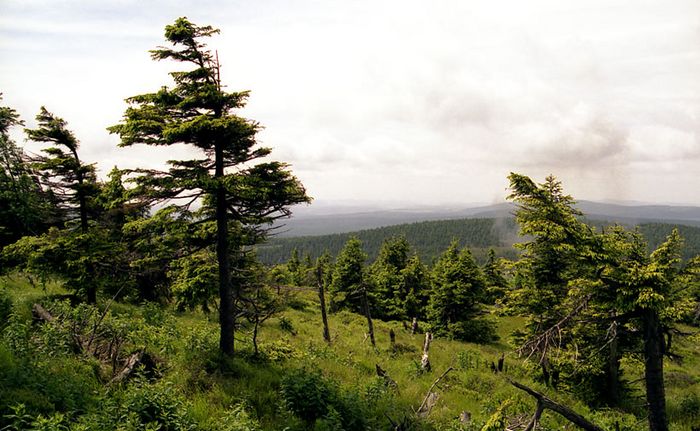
{"x":545,"y":403}
{"x":41,"y":314}
{"x":131,"y":363}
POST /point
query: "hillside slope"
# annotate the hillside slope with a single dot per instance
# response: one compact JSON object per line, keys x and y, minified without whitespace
{"x":192,"y":389}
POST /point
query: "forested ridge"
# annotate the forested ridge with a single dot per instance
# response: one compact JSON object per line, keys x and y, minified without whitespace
{"x":155,"y":299}
{"x":430,"y":238}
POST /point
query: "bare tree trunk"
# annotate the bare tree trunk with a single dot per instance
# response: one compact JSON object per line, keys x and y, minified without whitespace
{"x":425,"y":360}
{"x":322,"y":299}
{"x":654,"y":371}
{"x":613,"y":374}
{"x":226,"y":312}
{"x":431,"y":397}
{"x":370,"y":326}
{"x":414,"y":326}
{"x":255,"y":336}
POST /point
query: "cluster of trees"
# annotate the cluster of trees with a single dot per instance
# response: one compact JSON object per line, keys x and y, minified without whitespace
{"x":186,"y":232}
{"x":591,"y":296}
{"x":450,"y":296}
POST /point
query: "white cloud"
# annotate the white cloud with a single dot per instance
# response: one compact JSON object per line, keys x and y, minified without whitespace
{"x":430,"y":102}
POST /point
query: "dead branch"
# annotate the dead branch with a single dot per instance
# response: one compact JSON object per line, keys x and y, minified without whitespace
{"x":553,"y":335}
{"x":40,"y":313}
{"x":431,"y":397}
{"x":129,"y":366}
{"x":545,"y":403}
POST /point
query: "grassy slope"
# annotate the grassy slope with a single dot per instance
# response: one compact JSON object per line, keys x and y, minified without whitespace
{"x":184,"y":348}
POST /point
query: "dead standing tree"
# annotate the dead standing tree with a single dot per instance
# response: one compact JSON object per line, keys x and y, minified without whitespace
{"x":365,"y":306}
{"x":322,"y":299}
{"x":425,"y":359}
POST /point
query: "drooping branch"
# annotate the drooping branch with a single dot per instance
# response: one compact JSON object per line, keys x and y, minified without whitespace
{"x":552,"y":335}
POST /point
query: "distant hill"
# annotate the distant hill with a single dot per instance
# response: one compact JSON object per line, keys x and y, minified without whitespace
{"x":327,"y":219}
{"x":431,"y":238}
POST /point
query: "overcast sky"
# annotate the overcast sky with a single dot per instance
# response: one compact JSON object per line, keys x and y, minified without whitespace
{"x":399,"y":101}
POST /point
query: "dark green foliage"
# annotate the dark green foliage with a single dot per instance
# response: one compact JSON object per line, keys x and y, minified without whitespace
{"x":348,"y":278}
{"x":195,"y":281}
{"x":73,"y":182}
{"x":297,"y":270}
{"x":321,"y":403}
{"x":496,"y":282}
{"x":429,"y":238}
{"x":155,"y":246}
{"x":399,"y":282}
{"x":24,"y":207}
{"x":656,"y":233}
{"x":457,"y":293}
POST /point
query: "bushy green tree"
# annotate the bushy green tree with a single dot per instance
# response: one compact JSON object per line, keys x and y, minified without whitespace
{"x":239,"y":193}
{"x":398,"y":281}
{"x":348,"y":278}
{"x":608,"y":296}
{"x":75,"y":186}
{"x":496,"y":282}
{"x":25,"y":209}
{"x":456,"y":297}
{"x":552,"y":255}
{"x":73,"y":182}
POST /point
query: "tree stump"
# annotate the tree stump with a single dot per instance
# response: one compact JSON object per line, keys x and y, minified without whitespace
{"x":425,"y":360}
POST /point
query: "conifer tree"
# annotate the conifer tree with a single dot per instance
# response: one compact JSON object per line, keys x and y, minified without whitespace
{"x":72,"y":181}
{"x":239,"y":196}
{"x":24,"y":208}
{"x":385,"y":275}
{"x":348,"y":283}
{"x":456,"y":297}
{"x":74,"y":184}
{"x":399,"y":281}
{"x":496,"y":283}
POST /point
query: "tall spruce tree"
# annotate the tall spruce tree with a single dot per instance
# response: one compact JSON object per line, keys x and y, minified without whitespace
{"x":237,"y":194}
{"x":608,"y":296}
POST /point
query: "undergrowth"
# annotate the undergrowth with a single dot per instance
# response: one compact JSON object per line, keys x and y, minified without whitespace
{"x":50,"y":381}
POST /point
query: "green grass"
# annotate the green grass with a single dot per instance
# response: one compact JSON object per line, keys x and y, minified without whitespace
{"x":185,"y":344}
